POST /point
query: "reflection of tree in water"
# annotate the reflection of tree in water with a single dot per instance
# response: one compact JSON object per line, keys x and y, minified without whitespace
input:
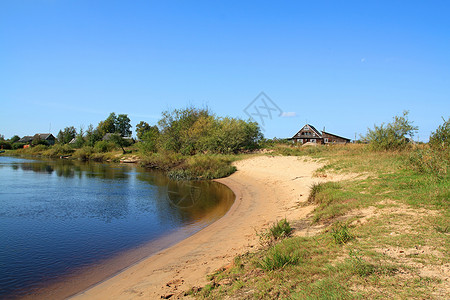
{"x":38,"y":167}
{"x":185,"y":200}
{"x":183,"y":194}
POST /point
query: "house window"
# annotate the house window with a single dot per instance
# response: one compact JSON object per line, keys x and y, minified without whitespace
{"x":313,"y":140}
{"x":326,"y":140}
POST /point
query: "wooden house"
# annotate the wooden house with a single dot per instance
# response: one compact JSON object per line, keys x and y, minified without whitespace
{"x":309,"y":134}
{"x":28,"y":139}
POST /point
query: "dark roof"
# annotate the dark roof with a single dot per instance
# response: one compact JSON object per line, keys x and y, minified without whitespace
{"x":335,"y":135}
{"x":313,"y":128}
{"x":43,"y":136}
{"x":26,"y":139}
{"x":319,"y":135}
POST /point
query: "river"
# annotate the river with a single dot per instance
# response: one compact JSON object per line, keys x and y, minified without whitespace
{"x":66,"y":225}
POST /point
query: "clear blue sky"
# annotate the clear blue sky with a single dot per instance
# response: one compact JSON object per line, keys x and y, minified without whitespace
{"x":342,"y":65}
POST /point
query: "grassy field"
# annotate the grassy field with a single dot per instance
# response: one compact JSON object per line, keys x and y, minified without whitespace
{"x":387,"y":235}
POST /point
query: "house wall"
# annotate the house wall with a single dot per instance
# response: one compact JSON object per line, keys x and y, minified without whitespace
{"x":332,"y":139}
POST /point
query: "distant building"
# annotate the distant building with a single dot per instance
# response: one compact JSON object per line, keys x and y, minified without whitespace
{"x":310,"y":134}
{"x":28,"y":139}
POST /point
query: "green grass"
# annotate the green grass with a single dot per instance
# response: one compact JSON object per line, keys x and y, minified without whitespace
{"x":381,"y":255}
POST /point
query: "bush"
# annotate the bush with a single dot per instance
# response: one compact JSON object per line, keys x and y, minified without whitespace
{"x":394,"y":136}
{"x":37,"y":149}
{"x":203,"y":167}
{"x":440,"y":139}
{"x":434,"y":159}
{"x":16,"y":146}
{"x":5,"y":145}
{"x":84,"y":153}
{"x":104,"y":146}
{"x":58,"y":150}
{"x":281,"y":229}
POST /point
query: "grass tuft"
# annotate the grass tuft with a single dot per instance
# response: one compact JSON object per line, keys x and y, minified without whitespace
{"x":341,"y":233}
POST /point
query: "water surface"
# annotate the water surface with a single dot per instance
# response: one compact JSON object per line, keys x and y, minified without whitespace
{"x":60,"y":218}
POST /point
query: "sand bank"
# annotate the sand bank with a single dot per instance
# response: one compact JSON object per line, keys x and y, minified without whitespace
{"x":267,"y":189}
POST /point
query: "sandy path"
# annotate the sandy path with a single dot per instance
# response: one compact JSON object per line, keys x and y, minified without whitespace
{"x":267,"y":188}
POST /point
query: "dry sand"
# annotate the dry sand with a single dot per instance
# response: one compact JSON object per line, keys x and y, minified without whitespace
{"x":267,"y":188}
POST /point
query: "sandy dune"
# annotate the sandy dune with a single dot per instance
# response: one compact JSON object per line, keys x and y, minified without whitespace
{"x":267,"y":189}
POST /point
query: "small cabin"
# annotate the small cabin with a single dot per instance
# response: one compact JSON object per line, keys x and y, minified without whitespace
{"x":309,"y":134}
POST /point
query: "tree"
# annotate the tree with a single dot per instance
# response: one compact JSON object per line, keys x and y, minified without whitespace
{"x":92,"y":136}
{"x":65,"y":136}
{"x":123,"y":126}
{"x":141,"y":129}
{"x":14,"y":139}
{"x":117,"y":139}
{"x":149,"y":139}
{"x":108,"y":125}
{"x":394,"y":136}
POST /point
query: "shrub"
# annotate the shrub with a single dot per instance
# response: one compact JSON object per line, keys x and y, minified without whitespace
{"x":58,"y":150}
{"x":104,"y":146}
{"x":5,"y":144}
{"x":15,"y":146}
{"x":440,"y":139}
{"x":394,"y":136}
{"x":83,"y":153}
{"x":281,"y":229}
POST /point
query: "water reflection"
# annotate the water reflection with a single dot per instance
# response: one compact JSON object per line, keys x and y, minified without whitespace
{"x":58,"y":215}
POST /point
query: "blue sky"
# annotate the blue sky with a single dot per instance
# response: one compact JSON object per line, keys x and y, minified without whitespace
{"x":341,"y":65}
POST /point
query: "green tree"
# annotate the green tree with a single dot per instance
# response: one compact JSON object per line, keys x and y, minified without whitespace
{"x":123,"y":126}
{"x":174,"y":126}
{"x":149,"y":139}
{"x":117,"y":139}
{"x":108,"y":125}
{"x":92,"y":136}
{"x":14,"y":139}
{"x":141,"y":129}
{"x":393,"y":136}
{"x":65,"y":136}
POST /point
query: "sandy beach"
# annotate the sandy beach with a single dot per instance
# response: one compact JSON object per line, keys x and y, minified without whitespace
{"x":267,"y":189}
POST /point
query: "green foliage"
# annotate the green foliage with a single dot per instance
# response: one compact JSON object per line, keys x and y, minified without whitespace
{"x":281,"y":229}
{"x":92,"y":136}
{"x":341,"y":233}
{"x":58,"y":150}
{"x":108,"y":125}
{"x":192,"y":130}
{"x":39,"y":141}
{"x":123,"y":125}
{"x":104,"y":146}
{"x":276,"y":259}
{"x":84,"y":153}
{"x":14,"y":139}
{"x":141,"y":129}
{"x":203,"y":167}
{"x":149,"y":139}
{"x":37,"y":149}
{"x":17,"y":145}
{"x":431,"y":160}
{"x":440,"y":139}
{"x":394,"y":136}
{"x":5,"y":144}
{"x":434,"y":159}
{"x":65,"y":136}
{"x":119,"y":141}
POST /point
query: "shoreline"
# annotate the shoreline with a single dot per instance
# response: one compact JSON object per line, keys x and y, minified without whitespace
{"x":267,"y":188}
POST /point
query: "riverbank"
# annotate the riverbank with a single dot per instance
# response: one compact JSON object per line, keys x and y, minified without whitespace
{"x":267,"y":189}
